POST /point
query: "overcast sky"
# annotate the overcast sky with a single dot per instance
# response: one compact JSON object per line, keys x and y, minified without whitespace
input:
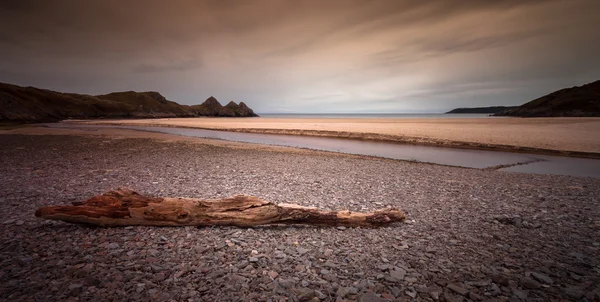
{"x":305,"y":56}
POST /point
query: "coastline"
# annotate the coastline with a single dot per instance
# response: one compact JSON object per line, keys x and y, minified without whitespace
{"x":573,"y":137}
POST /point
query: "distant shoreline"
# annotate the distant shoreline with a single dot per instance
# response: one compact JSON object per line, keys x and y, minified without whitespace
{"x":483,"y":134}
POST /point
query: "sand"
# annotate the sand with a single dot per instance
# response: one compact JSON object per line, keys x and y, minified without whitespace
{"x":554,"y":134}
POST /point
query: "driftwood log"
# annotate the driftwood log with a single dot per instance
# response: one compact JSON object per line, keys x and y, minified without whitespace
{"x":124,"y":207}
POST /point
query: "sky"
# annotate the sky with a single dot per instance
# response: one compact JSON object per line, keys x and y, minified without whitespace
{"x":305,"y":56}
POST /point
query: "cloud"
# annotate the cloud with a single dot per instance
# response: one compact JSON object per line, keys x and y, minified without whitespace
{"x":167,"y":67}
{"x":307,"y":55}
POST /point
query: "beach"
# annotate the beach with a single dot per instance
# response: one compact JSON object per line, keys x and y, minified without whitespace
{"x":470,"y":233}
{"x":543,"y":135}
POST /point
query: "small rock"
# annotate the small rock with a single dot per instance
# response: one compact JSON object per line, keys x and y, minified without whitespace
{"x":475,"y":297}
{"x":341,"y":227}
{"x":411,"y":293}
{"x":500,"y":279}
{"x":542,"y":278}
{"x":521,"y":294}
{"x":320,"y":295}
{"x":574,"y":293}
{"x":273,"y":274}
{"x":302,"y":251}
{"x":370,"y":297}
{"x":304,"y":294}
{"x":113,"y":245}
{"x":342,"y":292}
{"x":457,"y":289}
{"x":253,"y":259}
{"x":434,"y":292}
{"x":287,"y":283}
{"x":397,"y":275}
{"x":530,"y":283}
{"x":396,"y":291}
{"x":9,"y":221}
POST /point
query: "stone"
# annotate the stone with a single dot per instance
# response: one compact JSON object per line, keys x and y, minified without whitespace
{"x":344,"y":291}
{"x":287,"y":283}
{"x":397,"y":275}
{"x":521,"y":294}
{"x":253,"y":259}
{"x":370,"y":297}
{"x":396,"y":291}
{"x":320,"y":295}
{"x":304,"y":294}
{"x":113,"y":245}
{"x":475,"y":297}
{"x":273,"y":274}
{"x":302,"y":251}
{"x":456,"y":288}
{"x":573,"y":292}
{"x":530,"y":283}
{"x":435,"y":292}
{"x":542,"y":278}
{"x":500,"y":279}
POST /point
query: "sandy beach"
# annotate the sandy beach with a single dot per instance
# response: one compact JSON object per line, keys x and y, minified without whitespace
{"x":518,"y":134}
{"x":471,"y":234}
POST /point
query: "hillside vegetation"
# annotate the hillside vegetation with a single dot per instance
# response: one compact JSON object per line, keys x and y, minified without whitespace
{"x":30,"y":104}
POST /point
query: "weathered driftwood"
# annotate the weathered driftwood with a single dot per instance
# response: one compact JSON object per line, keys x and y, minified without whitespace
{"x":124,"y":207}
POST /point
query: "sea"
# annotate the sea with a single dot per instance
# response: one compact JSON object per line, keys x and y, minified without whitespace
{"x":375,"y":115}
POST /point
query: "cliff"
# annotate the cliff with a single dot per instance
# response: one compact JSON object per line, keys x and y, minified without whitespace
{"x":578,"y":101}
{"x":491,"y":109}
{"x":30,"y":104}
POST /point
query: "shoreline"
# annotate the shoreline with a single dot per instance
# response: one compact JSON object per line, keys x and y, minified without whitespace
{"x":363,"y":136}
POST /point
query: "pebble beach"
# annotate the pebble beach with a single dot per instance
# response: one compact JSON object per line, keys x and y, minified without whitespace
{"x":470,"y":235}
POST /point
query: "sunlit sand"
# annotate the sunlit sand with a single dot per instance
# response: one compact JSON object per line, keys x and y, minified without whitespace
{"x":561,"y":134}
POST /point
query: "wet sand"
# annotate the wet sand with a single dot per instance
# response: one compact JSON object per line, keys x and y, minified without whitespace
{"x":540,"y":135}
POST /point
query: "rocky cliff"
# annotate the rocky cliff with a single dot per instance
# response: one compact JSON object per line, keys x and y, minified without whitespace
{"x":579,"y":101}
{"x":492,"y":109}
{"x":30,"y":104}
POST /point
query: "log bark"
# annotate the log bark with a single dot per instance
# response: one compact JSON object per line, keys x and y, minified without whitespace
{"x":124,"y":207}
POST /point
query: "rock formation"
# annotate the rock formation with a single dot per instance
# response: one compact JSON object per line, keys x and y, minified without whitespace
{"x":491,"y":109}
{"x":30,"y":104}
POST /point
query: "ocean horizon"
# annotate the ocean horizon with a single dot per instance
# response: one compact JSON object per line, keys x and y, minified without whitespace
{"x":376,"y":115}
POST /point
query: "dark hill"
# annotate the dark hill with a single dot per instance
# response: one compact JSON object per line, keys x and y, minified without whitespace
{"x":234,"y":110}
{"x":30,"y":104}
{"x":578,"y":101}
{"x":210,"y":107}
{"x":492,"y":109}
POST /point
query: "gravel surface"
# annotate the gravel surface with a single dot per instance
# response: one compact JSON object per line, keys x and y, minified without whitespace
{"x":470,"y":235}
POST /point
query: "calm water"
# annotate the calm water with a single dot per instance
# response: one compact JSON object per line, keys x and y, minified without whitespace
{"x":375,"y":115}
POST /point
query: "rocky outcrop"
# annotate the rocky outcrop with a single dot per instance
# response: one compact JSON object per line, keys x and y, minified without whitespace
{"x":210,"y":107}
{"x":30,"y":104}
{"x":579,"y":101}
{"x":491,"y":109}
{"x":234,"y":110}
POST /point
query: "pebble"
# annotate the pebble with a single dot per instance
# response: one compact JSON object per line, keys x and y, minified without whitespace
{"x":51,"y":261}
{"x":542,"y":278}
{"x":457,"y":289}
{"x":530,"y":283}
